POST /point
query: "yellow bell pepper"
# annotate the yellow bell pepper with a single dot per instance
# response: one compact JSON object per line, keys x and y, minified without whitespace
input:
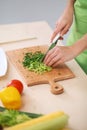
{"x":10,"y":98}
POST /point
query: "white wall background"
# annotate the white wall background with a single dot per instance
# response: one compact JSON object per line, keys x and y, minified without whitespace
{"x":15,"y":11}
{"x":18,"y":11}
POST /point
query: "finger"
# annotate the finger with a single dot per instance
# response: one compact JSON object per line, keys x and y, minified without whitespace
{"x":50,"y":55}
{"x":64,"y":30}
{"x":54,"y":60}
{"x":58,"y":29}
{"x":54,"y":57}
{"x":59,"y":62}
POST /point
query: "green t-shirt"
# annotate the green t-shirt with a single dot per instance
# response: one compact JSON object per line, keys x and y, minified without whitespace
{"x":79,"y":28}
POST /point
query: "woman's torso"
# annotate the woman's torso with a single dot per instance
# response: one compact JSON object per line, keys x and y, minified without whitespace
{"x":79,"y":28}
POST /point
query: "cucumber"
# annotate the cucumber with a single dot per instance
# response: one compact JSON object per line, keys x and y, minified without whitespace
{"x":32,"y":115}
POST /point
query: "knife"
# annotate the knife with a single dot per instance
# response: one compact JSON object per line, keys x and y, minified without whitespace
{"x":53,"y":44}
{"x":3,"y":63}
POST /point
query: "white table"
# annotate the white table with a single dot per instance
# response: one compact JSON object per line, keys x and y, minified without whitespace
{"x":39,"y":99}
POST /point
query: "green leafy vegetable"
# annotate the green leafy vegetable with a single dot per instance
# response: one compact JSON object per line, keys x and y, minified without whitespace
{"x":31,"y":115}
{"x":32,"y":61}
{"x":12,"y":117}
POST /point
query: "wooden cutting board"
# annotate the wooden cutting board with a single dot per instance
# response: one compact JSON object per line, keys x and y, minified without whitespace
{"x":62,"y":72}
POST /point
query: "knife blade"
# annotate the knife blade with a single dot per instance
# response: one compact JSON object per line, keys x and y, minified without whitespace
{"x":3,"y":63}
{"x":53,"y":44}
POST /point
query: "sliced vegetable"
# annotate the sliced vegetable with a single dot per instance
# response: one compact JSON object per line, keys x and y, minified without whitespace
{"x":32,"y":61}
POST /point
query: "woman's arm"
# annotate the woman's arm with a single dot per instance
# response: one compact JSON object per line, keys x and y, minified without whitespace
{"x":65,"y":21}
{"x":61,"y":54}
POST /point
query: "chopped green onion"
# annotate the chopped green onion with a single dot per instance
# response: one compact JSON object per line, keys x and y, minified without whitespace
{"x":32,"y":61}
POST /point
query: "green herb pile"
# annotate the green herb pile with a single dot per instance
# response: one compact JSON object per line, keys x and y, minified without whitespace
{"x":12,"y":117}
{"x":32,"y":61}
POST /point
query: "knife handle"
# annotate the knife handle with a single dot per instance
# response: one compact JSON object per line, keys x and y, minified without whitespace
{"x":56,"y":88}
{"x":53,"y":44}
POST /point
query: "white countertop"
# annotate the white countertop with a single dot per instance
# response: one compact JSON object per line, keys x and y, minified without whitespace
{"x":39,"y":99}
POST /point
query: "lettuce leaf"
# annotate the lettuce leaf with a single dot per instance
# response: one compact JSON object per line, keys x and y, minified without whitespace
{"x":12,"y":117}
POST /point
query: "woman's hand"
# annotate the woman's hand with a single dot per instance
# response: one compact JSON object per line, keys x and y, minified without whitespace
{"x":64,"y":22}
{"x":59,"y":55}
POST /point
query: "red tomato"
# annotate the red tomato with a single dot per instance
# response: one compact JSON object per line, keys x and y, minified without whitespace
{"x":17,"y":84}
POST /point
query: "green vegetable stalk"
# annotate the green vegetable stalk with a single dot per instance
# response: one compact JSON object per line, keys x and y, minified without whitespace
{"x":31,"y":115}
{"x":52,"y":121}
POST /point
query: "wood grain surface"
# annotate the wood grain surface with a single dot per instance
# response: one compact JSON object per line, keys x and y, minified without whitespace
{"x":62,"y":72}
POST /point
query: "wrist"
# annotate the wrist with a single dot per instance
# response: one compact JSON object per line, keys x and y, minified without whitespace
{"x":69,"y":8}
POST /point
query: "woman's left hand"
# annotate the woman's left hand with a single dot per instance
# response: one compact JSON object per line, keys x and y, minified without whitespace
{"x":59,"y":55}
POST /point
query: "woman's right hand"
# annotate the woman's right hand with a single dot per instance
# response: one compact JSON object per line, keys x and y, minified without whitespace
{"x":64,"y":22}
